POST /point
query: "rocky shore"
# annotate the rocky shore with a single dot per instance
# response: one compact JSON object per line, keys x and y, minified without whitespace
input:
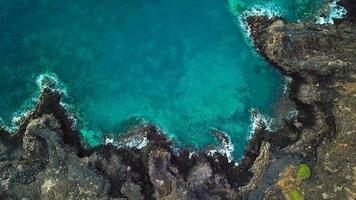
{"x":313,"y":156}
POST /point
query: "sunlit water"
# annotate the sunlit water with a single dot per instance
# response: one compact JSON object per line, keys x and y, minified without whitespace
{"x":185,"y":65}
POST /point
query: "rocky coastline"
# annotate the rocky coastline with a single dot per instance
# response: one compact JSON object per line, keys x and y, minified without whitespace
{"x":45,"y":159}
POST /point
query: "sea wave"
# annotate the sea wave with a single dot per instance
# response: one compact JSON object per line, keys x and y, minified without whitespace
{"x":335,"y":11}
{"x":258,"y":120}
{"x":27,"y":107}
{"x":269,"y":10}
{"x":137,"y":141}
{"x":226,"y":147}
{"x":45,"y":80}
{"x":287,"y":81}
{"x":51,"y":81}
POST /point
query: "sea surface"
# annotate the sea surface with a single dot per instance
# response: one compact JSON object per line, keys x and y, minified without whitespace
{"x":186,"y":65}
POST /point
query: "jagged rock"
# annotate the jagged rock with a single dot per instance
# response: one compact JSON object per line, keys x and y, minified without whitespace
{"x":200,"y":174}
{"x":305,"y":49}
{"x":132,"y":191}
{"x":258,"y":168}
{"x":43,"y":164}
{"x":167,"y":186}
{"x":46,"y":169}
{"x":44,"y":158}
{"x":321,"y":59}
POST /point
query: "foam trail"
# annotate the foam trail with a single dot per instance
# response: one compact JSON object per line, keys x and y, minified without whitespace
{"x":259,"y":120}
{"x":50,"y":81}
{"x":269,"y":11}
{"x":226,"y":148}
{"x":137,"y":141}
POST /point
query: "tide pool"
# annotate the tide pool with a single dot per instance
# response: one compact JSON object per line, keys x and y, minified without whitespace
{"x":184,"y":65}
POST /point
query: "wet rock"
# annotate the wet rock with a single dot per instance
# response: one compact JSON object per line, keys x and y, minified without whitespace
{"x":321,"y":59}
{"x":44,"y":158}
{"x":48,"y":167}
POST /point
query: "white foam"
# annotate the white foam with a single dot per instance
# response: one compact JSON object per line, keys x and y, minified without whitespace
{"x":259,"y":120}
{"x":45,"y":80}
{"x":50,"y":81}
{"x":109,"y":141}
{"x":137,"y":143}
{"x":22,"y":113}
{"x":287,"y":81}
{"x":134,"y":141}
{"x":191,"y":154}
{"x":70,"y":114}
{"x":2,"y":123}
{"x":335,"y":12}
{"x":269,"y":10}
{"x":227,"y":148}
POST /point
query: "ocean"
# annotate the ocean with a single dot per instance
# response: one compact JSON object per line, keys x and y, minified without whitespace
{"x":186,"y":65}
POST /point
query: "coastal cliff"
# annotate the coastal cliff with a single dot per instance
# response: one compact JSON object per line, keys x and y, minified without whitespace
{"x":312,"y":156}
{"x":321,"y":60}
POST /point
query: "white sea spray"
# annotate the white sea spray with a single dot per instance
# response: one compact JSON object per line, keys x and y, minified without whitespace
{"x":335,"y":12}
{"x":27,"y":108}
{"x":71,"y":114}
{"x":136,"y":142}
{"x":2,"y":123}
{"x":51,"y":81}
{"x":269,"y":10}
{"x":258,"y":120}
{"x":45,"y":80}
{"x":191,"y":154}
{"x":109,"y":141}
{"x":287,"y":81}
{"x":19,"y":115}
{"x":226,"y":148}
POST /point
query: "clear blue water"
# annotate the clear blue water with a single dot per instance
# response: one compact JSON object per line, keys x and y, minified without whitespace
{"x":183,"y":64}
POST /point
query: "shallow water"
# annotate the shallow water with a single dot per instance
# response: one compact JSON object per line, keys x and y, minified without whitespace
{"x":184,"y":65}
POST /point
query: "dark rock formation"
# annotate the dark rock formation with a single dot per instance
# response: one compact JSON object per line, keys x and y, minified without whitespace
{"x":351,"y":7}
{"x":44,"y":158}
{"x":321,"y":59}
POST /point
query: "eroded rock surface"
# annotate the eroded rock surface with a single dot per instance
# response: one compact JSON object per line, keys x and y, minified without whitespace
{"x":44,"y":158}
{"x":321,"y":59}
{"x":40,"y":161}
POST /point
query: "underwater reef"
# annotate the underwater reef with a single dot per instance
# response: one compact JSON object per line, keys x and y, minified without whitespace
{"x":313,"y":156}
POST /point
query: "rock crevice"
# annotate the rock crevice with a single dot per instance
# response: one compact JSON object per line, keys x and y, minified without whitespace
{"x":44,"y":158}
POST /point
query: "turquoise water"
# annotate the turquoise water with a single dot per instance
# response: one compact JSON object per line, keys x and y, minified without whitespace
{"x":184,"y":65}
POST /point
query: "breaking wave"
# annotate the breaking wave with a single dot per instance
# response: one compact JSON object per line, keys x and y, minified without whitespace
{"x":335,"y":11}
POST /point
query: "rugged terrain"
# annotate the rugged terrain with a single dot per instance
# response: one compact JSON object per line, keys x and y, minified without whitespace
{"x":321,"y":60}
{"x":44,"y":158}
